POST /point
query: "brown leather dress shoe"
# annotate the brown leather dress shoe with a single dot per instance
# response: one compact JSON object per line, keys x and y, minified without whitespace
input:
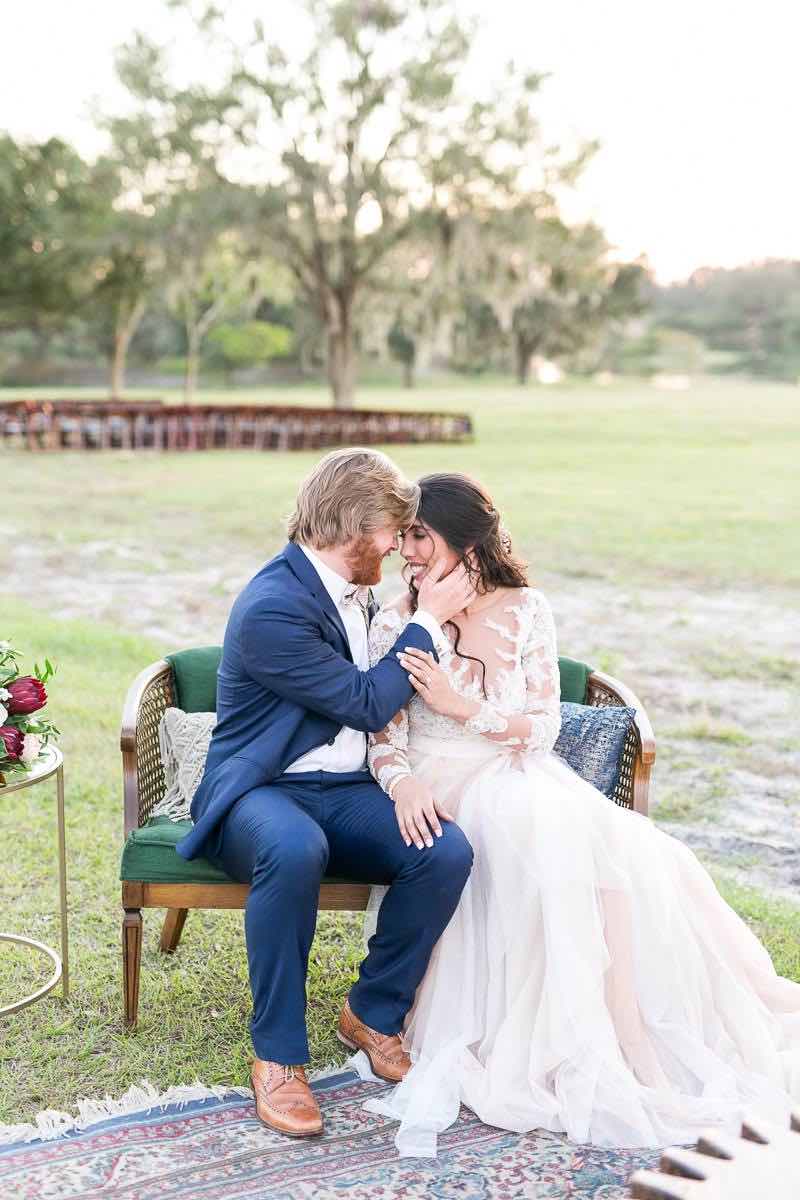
{"x":385,"y":1052}
{"x":284,"y":1101}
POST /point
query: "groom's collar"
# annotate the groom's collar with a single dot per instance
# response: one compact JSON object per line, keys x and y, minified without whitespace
{"x":334,"y":583}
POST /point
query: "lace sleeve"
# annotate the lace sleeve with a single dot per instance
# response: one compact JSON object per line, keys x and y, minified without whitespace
{"x":537,"y":727}
{"x":386,"y":750}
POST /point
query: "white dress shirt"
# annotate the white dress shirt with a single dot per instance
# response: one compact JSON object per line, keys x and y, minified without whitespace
{"x":349,"y":749}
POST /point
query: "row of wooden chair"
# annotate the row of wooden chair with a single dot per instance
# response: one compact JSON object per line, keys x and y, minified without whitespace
{"x":134,"y":425}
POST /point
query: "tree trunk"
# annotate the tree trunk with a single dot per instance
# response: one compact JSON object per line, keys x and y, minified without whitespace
{"x":523,"y":355}
{"x":118,"y":365}
{"x":124,"y":331}
{"x":408,"y":374}
{"x":341,"y":362}
{"x":192,"y":362}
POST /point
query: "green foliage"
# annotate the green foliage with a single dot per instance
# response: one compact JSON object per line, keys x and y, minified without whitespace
{"x":671,"y":351}
{"x":401,"y":345}
{"x":751,"y":314}
{"x":477,"y":336}
{"x":250,"y":344}
{"x":52,"y":208}
{"x":568,"y":296}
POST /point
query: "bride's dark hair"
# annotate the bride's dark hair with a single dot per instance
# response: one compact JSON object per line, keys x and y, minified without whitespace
{"x":462,"y":513}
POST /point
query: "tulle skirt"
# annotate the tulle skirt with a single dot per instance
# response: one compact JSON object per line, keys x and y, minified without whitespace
{"x":592,"y":980}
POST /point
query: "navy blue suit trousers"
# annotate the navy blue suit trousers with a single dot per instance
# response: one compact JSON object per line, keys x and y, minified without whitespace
{"x":281,"y":838}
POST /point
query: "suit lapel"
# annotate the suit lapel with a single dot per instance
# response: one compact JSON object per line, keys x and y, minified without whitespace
{"x":305,"y":572}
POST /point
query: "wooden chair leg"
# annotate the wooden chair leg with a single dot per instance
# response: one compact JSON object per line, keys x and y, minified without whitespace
{"x":131,"y":963}
{"x":172,"y":929}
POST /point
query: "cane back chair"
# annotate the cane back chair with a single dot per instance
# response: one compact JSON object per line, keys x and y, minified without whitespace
{"x":154,"y":876}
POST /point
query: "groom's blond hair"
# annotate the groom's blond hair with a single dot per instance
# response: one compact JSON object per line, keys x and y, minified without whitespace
{"x":349,"y":493}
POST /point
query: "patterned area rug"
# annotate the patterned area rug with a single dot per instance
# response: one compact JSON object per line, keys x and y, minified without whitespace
{"x":215,"y":1149}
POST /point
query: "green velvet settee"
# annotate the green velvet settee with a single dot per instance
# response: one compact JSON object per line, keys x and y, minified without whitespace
{"x":154,"y":876}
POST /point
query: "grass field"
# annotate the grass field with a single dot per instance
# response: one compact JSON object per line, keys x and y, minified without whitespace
{"x":601,"y":487}
{"x":626,"y":479}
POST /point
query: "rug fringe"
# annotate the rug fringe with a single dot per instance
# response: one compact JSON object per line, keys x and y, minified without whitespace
{"x":139,"y":1098}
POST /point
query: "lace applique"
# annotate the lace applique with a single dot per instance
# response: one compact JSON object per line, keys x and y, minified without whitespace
{"x":386,"y":751}
{"x":520,"y":709}
{"x":486,"y":720}
{"x":384,"y":632}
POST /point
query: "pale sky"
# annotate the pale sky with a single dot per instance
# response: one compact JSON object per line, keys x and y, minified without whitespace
{"x":696,"y":102}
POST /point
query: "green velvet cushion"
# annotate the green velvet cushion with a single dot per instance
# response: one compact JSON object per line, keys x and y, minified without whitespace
{"x":574,"y":678}
{"x":149,"y":857}
{"x":195,"y":673}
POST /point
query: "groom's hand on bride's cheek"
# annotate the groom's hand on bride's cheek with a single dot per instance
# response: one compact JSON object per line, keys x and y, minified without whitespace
{"x":418,"y":813}
{"x":444,"y":597}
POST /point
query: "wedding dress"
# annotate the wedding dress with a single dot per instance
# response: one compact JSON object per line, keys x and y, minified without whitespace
{"x":592,"y":980}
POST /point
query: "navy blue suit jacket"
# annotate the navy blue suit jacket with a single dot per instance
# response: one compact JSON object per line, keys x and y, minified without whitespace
{"x":287,"y":684}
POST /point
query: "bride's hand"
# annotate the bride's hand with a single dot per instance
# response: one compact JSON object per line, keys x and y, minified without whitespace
{"x":417,"y":812}
{"x":431,"y":682}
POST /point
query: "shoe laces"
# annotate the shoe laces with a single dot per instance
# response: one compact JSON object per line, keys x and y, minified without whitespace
{"x":290,"y":1073}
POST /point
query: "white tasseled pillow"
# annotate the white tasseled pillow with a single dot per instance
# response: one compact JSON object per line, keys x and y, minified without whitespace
{"x":183,"y":738}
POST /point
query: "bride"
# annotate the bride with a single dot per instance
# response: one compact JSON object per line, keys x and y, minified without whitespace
{"x":592,"y":980}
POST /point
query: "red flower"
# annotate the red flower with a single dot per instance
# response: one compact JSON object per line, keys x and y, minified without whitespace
{"x":13,"y":740}
{"x":26,"y":695}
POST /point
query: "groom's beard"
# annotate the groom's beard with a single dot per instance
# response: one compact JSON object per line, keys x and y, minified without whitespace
{"x":364,"y":560}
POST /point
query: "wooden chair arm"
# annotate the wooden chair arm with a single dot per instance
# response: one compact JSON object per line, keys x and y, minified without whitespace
{"x":151,"y":692}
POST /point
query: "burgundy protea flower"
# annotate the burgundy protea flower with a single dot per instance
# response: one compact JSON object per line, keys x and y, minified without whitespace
{"x":26,"y":695}
{"x":13,"y":740}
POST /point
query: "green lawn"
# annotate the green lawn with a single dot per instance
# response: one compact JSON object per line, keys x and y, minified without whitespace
{"x":626,"y":482}
{"x":700,"y":485}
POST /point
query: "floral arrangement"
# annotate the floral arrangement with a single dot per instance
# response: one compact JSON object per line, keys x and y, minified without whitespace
{"x":23,"y":736}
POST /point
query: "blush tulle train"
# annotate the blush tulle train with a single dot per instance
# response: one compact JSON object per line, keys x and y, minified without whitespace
{"x":592,"y":980}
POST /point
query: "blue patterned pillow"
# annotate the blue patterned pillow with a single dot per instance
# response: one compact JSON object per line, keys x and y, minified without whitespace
{"x":591,"y":742}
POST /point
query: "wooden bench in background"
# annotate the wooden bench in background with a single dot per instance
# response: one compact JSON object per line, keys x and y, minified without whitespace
{"x":150,"y":425}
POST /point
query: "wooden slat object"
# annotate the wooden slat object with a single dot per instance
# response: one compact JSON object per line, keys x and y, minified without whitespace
{"x":344,"y":897}
{"x":150,"y":425}
{"x":762,"y":1164}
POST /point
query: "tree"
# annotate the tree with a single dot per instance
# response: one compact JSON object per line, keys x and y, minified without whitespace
{"x":403,"y":348}
{"x":368,"y":135}
{"x":129,"y":268}
{"x":53,"y":207}
{"x":215,"y":269}
{"x":569,"y":294}
{"x":250,"y":344}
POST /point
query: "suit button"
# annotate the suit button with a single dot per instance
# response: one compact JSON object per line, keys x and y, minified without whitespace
{"x":331,"y":741}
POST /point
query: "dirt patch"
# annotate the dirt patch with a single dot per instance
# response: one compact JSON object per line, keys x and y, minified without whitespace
{"x":716,"y":670}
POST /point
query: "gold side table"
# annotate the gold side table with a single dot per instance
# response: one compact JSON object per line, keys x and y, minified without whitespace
{"x":51,"y":763}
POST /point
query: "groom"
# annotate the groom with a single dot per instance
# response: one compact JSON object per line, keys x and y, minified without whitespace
{"x":286,"y":796}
